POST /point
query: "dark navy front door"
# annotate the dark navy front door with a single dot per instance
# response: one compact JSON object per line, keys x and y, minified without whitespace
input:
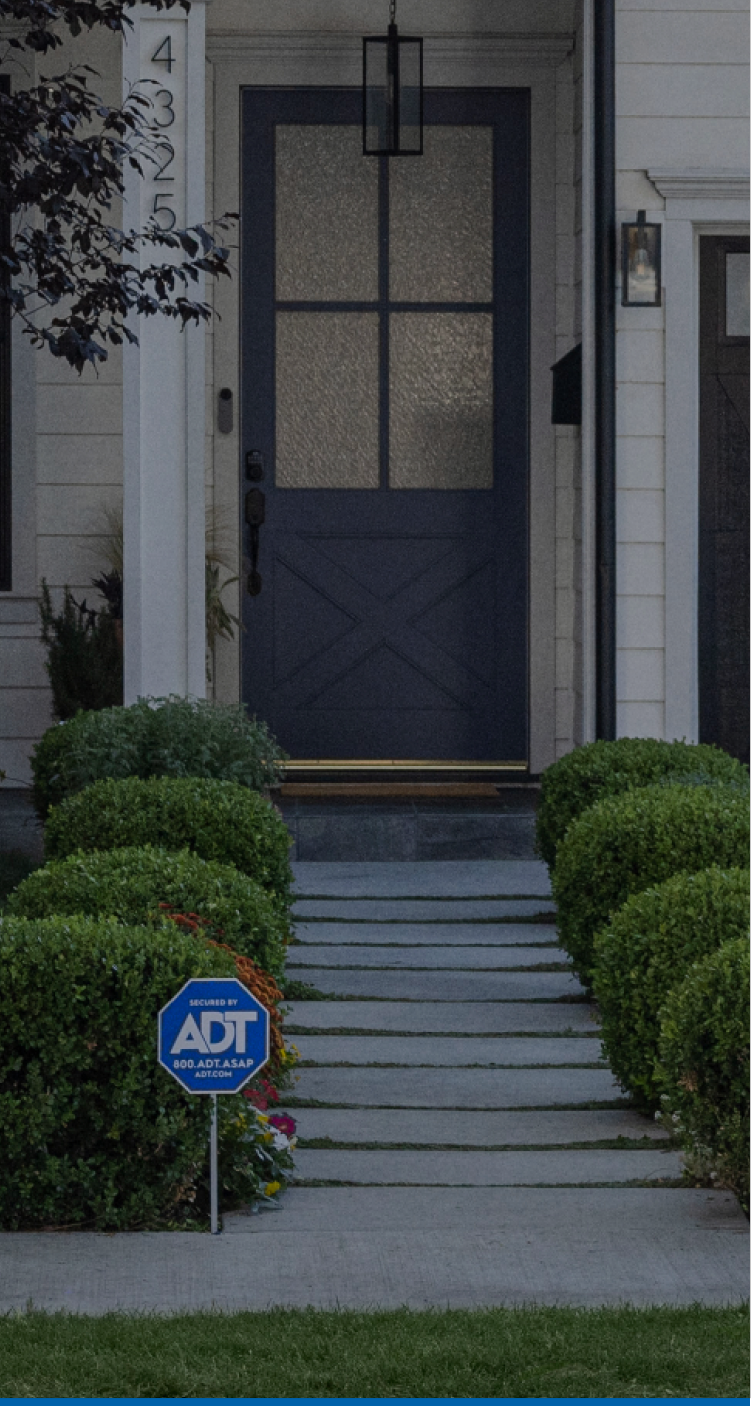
{"x":384,"y":422}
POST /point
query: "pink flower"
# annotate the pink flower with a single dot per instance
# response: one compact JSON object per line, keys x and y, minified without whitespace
{"x":284,"y":1123}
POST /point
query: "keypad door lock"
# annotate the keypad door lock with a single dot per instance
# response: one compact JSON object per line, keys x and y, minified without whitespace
{"x":254,"y":466}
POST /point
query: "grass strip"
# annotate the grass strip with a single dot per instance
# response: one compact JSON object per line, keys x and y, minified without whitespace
{"x":636,"y":1183}
{"x":351,"y":967}
{"x":620,"y":1144}
{"x":422,"y":946}
{"x":293,"y":1101}
{"x":325,"y":1031}
{"x":420,"y":897}
{"x":397,"y":1064}
{"x":547,"y":915}
{"x":497,"y":1352}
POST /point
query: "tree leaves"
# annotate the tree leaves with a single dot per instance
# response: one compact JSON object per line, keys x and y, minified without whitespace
{"x":63,"y":155}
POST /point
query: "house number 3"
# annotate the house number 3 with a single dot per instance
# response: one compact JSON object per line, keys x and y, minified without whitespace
{"x":166,"y":102}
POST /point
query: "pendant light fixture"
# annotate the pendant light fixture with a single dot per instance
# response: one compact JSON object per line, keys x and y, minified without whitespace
{"x":392,"y":93}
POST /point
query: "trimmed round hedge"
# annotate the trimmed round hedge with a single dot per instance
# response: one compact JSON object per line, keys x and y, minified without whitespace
{"x":214,"y":819}
{"x":704,"y":1061}
{"x":154,"y":737}
{"x":630,"y":843}
{"x":591,"y":773}
{"x":93,"y":1132}
{"x":646,"y":950}
{"x":129,"y":884}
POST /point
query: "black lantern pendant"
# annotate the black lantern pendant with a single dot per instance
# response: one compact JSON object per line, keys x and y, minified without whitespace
{"x":641,"y":263}
{"x":392,"y":93}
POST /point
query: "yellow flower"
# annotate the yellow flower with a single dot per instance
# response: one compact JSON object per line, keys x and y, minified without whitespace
{"x":268,"y":1137}
{"x":272,"y":1187}
{"x":262,"y":1118}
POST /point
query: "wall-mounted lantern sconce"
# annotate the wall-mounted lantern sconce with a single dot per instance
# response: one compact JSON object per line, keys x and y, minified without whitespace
{"x":641,"y":263}
{"x":392,"y":97}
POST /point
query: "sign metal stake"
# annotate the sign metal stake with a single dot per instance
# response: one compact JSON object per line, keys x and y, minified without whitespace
{"x":214,"y":1174}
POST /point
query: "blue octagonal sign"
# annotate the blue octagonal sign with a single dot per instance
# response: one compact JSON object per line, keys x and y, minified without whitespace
{"x":213,"y":1035}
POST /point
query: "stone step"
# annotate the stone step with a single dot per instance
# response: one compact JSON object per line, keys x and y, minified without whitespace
{"x":422,"y":878}
{"x":440,"y":1050}
{"x":428,"y":958}
{"x":455,"y":1088}
{"x":439,"y":986}
{"x":707,"y":1227}
{"x":459,"y":1127}
{"x":421,"y":910}
{"x":410,"y":935}
{"x":435,"y":1017}
{"x":555,"y":1168}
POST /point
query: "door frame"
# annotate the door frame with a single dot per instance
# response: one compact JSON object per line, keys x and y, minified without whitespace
{"x":696,"y":203}
{"x":244,"y":59}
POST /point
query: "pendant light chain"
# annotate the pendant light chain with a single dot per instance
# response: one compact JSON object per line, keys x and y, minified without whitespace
{"x":392,"y":12}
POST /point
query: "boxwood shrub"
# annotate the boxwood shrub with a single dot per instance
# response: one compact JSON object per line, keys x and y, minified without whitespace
{"x":589,"y":774}
{"x":129,"y":884}
{"x":154,"y":737}
{"x":630,"y":842}
{"x":215,"y":819}
{"x":646,"y":950}
{"x":704,"y":1062}
{"x":93,"y":1133}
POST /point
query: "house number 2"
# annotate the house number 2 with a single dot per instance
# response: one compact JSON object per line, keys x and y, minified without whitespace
{"x":163,"y":55}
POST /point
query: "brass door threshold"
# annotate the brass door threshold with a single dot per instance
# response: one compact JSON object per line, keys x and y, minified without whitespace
{"x":389,"y":767}
{"x":435,"y":790}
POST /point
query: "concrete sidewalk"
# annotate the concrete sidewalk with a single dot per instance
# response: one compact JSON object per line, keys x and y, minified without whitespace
{"x":461,"y":1142}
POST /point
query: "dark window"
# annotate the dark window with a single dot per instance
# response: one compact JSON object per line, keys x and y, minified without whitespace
{"x":5,"y":439}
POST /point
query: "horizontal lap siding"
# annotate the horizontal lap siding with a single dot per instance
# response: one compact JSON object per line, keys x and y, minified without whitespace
{"x":78,"y":457}
{"x":681,"y":101}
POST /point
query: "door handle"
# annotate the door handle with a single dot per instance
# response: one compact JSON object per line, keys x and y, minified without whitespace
{"x":255,"y":516}
{"x":255,"y":507}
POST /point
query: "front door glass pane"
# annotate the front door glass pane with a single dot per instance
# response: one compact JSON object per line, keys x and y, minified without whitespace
{"x":327,"y":399}
{"x":326,"y":216}
{"x":441,"y":393}
{"x":736,"y":295}
{"x":441,"y":219}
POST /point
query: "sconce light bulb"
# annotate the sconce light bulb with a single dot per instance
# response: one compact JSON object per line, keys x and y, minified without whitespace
{"x":641,"y":267}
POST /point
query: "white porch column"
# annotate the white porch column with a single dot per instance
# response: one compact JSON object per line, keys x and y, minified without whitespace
{"x":164,"y":380}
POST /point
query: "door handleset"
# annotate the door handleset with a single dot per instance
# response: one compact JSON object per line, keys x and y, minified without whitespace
{"x":255,"y":507}
{"x":255,"y":516}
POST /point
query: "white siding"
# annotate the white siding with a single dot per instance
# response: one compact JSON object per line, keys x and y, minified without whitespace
{"x":681,"y":102}
{"x":73,"y":448}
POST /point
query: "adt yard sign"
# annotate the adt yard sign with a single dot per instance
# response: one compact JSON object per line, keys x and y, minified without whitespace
{"x":213,"y":1035}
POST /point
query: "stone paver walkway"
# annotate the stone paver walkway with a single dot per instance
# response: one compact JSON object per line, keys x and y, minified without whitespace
{"x":461,"y":1141}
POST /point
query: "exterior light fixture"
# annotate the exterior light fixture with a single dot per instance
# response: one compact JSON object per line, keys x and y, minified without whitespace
{"x":392,"y":93}
{"x":641,"y":263}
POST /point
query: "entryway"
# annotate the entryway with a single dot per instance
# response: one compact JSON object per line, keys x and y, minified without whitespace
{"x":724,"y":494}
{"x":385,"y":430}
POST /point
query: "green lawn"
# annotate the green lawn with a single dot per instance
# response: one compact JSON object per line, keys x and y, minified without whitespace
{"x":625,"y":1352}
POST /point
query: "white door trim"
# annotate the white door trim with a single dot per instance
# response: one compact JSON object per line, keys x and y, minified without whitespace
{"x":697,"y":202}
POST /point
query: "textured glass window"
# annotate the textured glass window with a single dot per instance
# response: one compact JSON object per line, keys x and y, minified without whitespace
{"x":326,"y":216}
{"x":441,"y":219}
{"x":441,"y":388}
{"x":327,"y":399}
{"x":736,"y":295}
